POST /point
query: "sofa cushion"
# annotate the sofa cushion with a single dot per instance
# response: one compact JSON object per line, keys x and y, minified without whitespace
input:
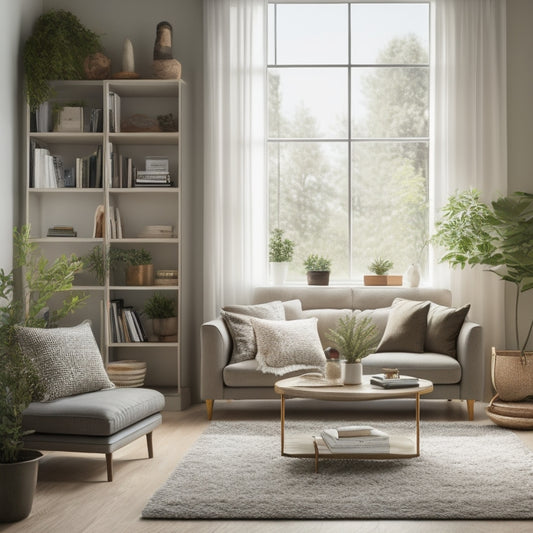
{"x":444,"y":326}
{"x":406,"y":327}
{"x":293,"y":309}
{"x":379,"y":318}
{"x":247,"y":374}
{"x":98,"y":413}
{"x":67,"y":359}
{"x":237,"y":318}
{"x":439,"y":368}
{"x":284,"y":346}
{"x":327,"y":319}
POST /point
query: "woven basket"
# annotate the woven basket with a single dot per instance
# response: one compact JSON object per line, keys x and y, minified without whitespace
{"x":511,"y":378}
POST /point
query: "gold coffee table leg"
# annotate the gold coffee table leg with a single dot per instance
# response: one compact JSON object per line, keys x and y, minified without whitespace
{"x":418,"y":424}
{"x":282,"y":424}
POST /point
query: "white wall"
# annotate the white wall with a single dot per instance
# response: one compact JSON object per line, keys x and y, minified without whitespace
{"x":17,"y":20}
{"x":519,"y":127}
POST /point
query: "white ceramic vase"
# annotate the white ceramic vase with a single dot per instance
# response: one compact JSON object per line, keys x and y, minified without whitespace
{"x":353,"y":373}
{"x":278,"y":272}
{"x":412,"y":276}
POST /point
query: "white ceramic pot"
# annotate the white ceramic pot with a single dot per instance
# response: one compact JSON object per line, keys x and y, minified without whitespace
{"x":278,"y":272}
{"x":412,"y":276}
{"x":353,"y":373}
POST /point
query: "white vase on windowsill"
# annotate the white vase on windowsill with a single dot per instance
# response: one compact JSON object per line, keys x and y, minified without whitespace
{"x":278,"y":272}
{"x":412,"y":275}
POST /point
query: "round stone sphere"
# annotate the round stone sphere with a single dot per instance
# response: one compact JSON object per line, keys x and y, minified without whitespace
{"x":97,"y":66}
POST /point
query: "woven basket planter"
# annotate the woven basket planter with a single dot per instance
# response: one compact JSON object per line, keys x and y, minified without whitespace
{"x":511,"y":378}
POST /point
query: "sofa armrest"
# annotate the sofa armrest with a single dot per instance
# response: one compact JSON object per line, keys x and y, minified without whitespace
{"x":215,"y":353}
{"x":470,"y":356}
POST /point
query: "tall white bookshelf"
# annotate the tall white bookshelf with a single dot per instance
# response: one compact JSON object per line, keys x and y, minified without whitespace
{"x":139,"y":207}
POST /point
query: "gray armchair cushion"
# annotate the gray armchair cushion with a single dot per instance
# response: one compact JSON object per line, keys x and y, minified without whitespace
{"x":67,"y":360}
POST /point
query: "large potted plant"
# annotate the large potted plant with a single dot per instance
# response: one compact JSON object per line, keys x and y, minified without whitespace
{"x":317,"y":268}
{"x":280,"y":253}
{"x":355,"y":338}
{"x":500,"y":237}
{"x":18,"y":379}
{"x":162,"y":311}
{"x":56,"y":50}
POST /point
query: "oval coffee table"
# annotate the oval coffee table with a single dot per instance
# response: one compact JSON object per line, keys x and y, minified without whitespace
{"x":313,"y":447}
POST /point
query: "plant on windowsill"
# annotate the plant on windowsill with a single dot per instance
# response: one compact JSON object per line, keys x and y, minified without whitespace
{"x":318,"y":269}
{"x":280,"y":253}
{"x":355,"y":338}
{"x":498,"y":236}
{"x":162,"y":311}
{"x":380,"y":268}
{"x":19,"y":382}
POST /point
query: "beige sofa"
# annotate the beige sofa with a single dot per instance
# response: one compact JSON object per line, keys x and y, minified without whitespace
{"x":458,"y":377}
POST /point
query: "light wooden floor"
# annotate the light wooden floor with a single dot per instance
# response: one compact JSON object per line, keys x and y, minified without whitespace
{"x":73,"y":496}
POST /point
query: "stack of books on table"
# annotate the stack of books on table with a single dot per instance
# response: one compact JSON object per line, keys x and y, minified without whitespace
{"x":393,"y":383}
{"x":356,"y":439}
{"x":152,"y":178}
{"x":61,"y":231}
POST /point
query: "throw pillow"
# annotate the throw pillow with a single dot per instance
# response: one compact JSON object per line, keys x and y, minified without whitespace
{"x":444,"y":325}
{"x":286,"y":346}
{"x":237,"y":318}
{"x":67,"y":360}
{"x":293,"y":309}
{"x":406,"y":327}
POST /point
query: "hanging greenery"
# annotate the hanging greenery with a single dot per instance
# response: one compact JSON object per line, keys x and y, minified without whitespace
{"x":56,"y":50}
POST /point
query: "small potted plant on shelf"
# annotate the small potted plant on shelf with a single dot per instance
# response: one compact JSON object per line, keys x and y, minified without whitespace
{"x":19,"y":381}
{"x":499,"y":236}
{"x":318,"y":269}
{"x":355,"y":338}
{"x":380,"y":268}
{"x":95,"y":261}
{"x":138,"y":261}
{"x":280,"y":253}
{"x":162,"y":311}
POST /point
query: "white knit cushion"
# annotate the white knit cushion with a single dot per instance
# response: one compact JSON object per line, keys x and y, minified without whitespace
{"x":67,"y":360}
{"x":286,"y":346}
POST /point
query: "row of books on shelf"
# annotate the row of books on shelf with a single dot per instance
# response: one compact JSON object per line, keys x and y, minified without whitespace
{"x":47,"y":171}
{"x":112,"y":225}
{"x":66,"y":119}
{"x":125,"y":323}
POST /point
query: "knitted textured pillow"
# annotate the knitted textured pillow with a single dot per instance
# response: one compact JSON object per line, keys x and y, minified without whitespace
{"x":67,"y":360}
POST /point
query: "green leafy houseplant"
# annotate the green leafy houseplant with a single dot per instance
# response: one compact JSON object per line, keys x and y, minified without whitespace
{"x":354,"y":338}
{"x":56,"y":50}
{"x":18,"y":379}
{"x":316,"y":263}
{"x":498,"y":236}
{"x":160,"y":306}
{"x":380,"y":266}
{"x":280,"y":250}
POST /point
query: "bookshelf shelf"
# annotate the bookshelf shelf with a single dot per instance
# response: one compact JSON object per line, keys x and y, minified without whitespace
{"x":134,"y":208}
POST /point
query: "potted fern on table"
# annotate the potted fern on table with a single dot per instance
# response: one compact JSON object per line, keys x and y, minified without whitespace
{"x":355,"y":338}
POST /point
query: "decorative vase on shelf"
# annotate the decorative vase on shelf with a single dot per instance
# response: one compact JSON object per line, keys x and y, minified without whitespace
{"x":278,"y":271}
{"x":353,"y":373}
{"x":412,"y":276}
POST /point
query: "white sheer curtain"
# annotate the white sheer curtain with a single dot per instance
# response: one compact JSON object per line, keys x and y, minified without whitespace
{"x":469,"y":134}
{"x":234,"y":148}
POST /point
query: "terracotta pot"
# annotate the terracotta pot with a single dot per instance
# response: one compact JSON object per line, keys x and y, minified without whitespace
{"x":387,"y":280}
{"x":140,"y":275}
{"x":318,"y":277}
{"x":512,"y":377}
{"x":17,"y":486}
{"x":165,"y":327}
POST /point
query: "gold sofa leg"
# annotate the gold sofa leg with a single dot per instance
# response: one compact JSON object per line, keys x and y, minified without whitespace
{"x":209,"y":406}
{"x":470,"y":408}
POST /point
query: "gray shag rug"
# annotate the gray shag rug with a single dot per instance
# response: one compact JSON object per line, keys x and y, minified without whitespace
{"x":235,"y":471}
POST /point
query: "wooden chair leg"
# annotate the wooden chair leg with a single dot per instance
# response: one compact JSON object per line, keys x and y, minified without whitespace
{"x":470,"y":408}
{"x":149,"y":443}
{"x":109,"y":462}
{"x":209,"y":406}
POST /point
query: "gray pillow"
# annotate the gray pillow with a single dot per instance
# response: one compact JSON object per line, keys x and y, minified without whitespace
{"x":406,"y":327}
{"x":237,"y":318}
{"x":444,"y":326}
{"x":288,"y":345}
{"x":67,"y":360}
